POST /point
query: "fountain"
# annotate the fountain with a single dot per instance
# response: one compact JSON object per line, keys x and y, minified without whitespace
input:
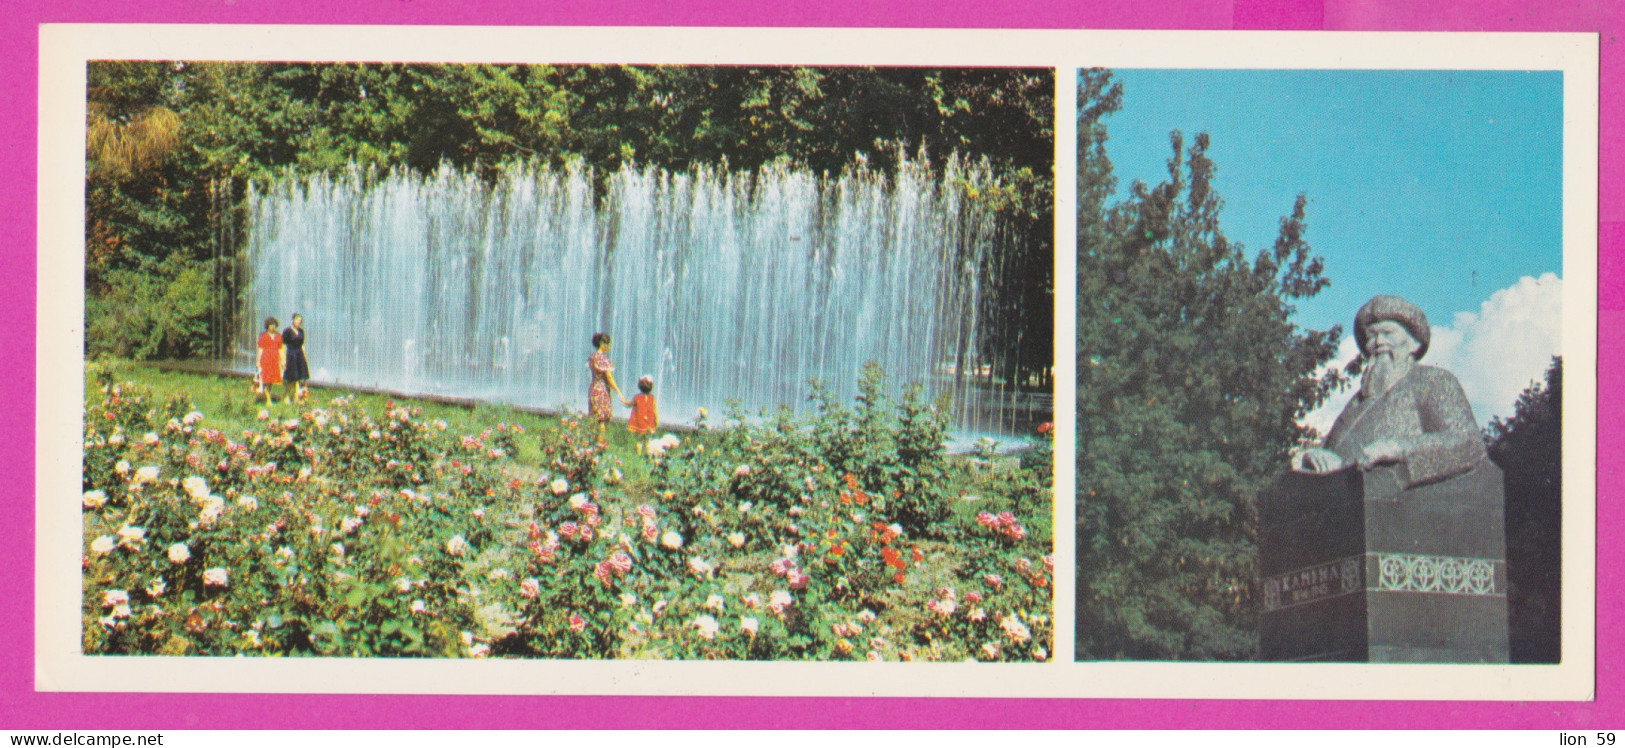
{"x":720,"y":285}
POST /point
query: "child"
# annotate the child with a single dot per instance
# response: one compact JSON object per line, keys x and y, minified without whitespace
{"x":645,"y":416}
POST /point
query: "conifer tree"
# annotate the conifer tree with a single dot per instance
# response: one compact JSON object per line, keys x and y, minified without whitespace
{"x":1528,"y":447}
{"x":1191,"y":381}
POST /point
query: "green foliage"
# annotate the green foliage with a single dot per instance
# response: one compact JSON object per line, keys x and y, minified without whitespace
{"x":161,"y":313}
{"x":1529,"y":448}
{"x":1191,"y":377}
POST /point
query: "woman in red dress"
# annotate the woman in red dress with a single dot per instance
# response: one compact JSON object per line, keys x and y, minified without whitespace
{"x":271,"y":361}
{"x":603,"y":381}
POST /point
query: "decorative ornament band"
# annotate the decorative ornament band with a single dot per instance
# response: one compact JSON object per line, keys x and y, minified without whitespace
{"x":1399,"y":572}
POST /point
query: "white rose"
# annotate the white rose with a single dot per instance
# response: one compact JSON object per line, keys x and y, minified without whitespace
{"x":128,"y":535}
{"x":216,"y":577}
{"x":671,"y":540}
{"x":195,"y":486}
{"x":749,"y":625}
{"x":115,"y":597}
{"x":94,"y":499}
{"x":102,"y":544}
{"x":179,"y":553}
{"x":707,"y":626}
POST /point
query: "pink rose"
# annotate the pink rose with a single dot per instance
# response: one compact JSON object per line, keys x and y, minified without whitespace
{"x":530,"y":588}
{"x":577,"y":623}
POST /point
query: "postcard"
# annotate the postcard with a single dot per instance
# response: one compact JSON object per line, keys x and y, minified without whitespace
{"x":817,"y":362}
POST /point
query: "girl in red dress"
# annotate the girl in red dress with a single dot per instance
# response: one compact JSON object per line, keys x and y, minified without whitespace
{"x":645,"y":414}
{"x":271,"y":358}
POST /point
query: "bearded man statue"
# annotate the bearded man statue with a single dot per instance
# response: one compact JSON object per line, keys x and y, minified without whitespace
{"x":1413,"y":417}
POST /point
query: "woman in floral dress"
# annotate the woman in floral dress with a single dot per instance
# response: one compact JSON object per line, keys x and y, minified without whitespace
{"x":603,"y":381}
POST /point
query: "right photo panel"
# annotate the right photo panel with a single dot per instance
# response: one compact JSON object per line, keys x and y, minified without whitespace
{"x":1319,"y":365}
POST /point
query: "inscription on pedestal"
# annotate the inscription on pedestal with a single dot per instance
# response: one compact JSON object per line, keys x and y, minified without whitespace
{"x":1318,"y":582}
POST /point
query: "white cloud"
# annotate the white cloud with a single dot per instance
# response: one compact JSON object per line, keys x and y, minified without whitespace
{"x":1496,"y":352}
{"x":1322,"y":418}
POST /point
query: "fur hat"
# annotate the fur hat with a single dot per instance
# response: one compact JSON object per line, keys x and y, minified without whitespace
{"x":1393,"y":308}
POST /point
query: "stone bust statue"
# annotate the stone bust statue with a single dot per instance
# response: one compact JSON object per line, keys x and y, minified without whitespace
{"x":1411,"y":416}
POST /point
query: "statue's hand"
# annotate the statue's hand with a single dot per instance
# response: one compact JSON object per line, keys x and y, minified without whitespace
{"x":1318,"y":461}
{"x":1380,"y":451}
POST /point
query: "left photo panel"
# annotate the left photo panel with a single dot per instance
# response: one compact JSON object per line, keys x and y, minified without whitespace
{"x":658,"y":362}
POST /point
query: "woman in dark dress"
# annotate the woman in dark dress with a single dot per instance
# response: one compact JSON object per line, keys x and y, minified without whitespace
{"x":298,"y":372}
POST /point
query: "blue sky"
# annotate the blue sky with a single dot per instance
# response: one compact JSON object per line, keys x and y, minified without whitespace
{"x":1444,"y":187}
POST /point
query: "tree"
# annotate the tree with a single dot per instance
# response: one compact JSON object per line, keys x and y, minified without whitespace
{"x":1191,"y":380}
{"x":1528,"y":447}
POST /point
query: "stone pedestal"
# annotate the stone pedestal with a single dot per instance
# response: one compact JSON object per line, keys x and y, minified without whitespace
{"x":1356,"y":569}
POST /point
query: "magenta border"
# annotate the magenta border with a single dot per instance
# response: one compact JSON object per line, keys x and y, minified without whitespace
{"x":22,"y":707}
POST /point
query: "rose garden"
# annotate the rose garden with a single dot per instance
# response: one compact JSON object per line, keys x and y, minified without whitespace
{"x":355,"y":526}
